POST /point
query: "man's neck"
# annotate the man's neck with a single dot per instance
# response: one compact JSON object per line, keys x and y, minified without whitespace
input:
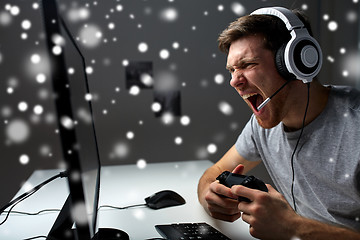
{"x":317,"y":102}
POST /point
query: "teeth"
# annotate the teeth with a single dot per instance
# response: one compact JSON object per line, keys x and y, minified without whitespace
{"x":246,"y":96}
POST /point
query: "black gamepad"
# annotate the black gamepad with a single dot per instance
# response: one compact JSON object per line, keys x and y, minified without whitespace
{"x":230,"y":179}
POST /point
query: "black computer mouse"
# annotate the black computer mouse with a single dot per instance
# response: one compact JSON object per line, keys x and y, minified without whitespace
{"x":110,"y":234}
{"x":163,"y":199}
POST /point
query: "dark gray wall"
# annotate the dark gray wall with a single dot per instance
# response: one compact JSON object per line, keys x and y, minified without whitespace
{"x":191,"y":67}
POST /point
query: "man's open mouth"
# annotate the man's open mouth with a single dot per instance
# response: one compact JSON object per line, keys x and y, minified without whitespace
{"x":254,"y":99}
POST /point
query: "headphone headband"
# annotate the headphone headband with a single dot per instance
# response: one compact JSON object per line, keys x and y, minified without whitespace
{"x":301,"y":57}
{"x":288,"y":17}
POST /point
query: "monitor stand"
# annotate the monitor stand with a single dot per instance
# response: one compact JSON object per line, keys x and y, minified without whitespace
{"x":63,"y":228}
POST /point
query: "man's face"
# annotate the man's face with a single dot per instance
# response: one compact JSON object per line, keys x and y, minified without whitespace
{"x":254,"y":77}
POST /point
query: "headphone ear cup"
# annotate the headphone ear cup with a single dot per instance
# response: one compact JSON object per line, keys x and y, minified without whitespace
{"x":280,"y":64}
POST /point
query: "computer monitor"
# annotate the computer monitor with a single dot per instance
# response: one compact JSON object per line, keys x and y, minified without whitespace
{"x":78,"y":217}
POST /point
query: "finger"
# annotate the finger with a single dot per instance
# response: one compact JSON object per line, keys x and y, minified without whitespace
{"x":224,"y":217}
{"x":270,"y":188}
{"x":246,"y":217}
{"x":245,"y":207}
{"x":222,"y":208}
{"x":252,"y":229}
{"x":243,"y":191}
{"x":273,"y":191}
{"x":220,"y":189}
{"x":231,"y":208}
{"x":239,"y":169}
{"x":220,"y":200}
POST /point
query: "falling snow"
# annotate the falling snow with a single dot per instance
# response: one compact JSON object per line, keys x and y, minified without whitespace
{"x":169,"y":14}
{"x":143,"y":47}
{"x":92,"y":33}
{"x":18,"y":131}
{"x":178,"y":140}
{"x":185,"y":120}
{"x":212,"y":148}
{"x":24,"y":159}
{"x":238,"y":8}
{"x":219,"y":78}
{"x":78,"y":213}
{"x":180,"y":44}
{"x":333,"y":26}
{"x":141,"y":163}
{"x":225,"y":108}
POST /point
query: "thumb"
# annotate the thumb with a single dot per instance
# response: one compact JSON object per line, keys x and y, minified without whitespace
{"x":239,"y":169}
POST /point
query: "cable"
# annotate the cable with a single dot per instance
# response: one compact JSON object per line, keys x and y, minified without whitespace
{"x":35,"y":237}
{"x":20,"y":200}
{"x":58,"y":210}
{"x":296,"y":146}
{"x":33,"y":214}
{"x":122,"y":208}
{"x":27,"y":194}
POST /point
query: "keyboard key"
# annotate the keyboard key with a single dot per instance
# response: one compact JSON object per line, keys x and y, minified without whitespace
{"x":189,"y":231}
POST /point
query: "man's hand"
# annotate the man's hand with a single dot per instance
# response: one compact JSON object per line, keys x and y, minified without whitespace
{"x":268,"y":214}
{"x":220,"y":202}
{"x":271,"y":217}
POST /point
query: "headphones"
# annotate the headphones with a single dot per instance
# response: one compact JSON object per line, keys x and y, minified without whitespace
{"x":301,"y":57}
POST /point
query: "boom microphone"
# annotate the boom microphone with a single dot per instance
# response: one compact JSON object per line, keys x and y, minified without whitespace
{"x":269,"y":98}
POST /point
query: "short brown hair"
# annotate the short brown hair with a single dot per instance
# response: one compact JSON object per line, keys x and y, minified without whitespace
{"x":271,"y":28}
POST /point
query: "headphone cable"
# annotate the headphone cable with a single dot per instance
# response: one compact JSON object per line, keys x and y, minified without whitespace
{"x":296,"y":146}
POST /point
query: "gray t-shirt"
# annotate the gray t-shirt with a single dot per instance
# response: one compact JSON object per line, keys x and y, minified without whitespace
{"x":326,"y":163}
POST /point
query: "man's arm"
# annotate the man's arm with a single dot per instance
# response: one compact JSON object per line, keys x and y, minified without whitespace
{"x":307,"y":229}
{"x":271,"y":217}
{"x":211,"y":193}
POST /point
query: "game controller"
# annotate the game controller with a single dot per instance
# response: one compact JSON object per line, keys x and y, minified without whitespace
{"x":230,"y":179}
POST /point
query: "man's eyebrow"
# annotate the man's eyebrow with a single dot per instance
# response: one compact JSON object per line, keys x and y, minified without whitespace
{"x":242,"y":61}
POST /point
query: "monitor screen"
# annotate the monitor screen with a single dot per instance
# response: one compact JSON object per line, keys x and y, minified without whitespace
{"x":76,"y":127}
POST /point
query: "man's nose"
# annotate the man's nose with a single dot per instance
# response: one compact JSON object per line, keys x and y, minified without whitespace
{"x":237,"y":78}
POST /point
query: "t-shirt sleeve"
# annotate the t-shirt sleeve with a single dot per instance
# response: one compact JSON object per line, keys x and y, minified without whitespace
{"x":246,"y":142}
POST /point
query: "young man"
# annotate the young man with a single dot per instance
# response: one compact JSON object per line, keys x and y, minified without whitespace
{"x":313,"y":158}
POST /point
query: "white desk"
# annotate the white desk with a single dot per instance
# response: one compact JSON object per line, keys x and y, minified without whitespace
{"x":122,"y":186}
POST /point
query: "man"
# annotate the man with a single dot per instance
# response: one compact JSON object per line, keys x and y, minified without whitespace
{"x":307,"y":136}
